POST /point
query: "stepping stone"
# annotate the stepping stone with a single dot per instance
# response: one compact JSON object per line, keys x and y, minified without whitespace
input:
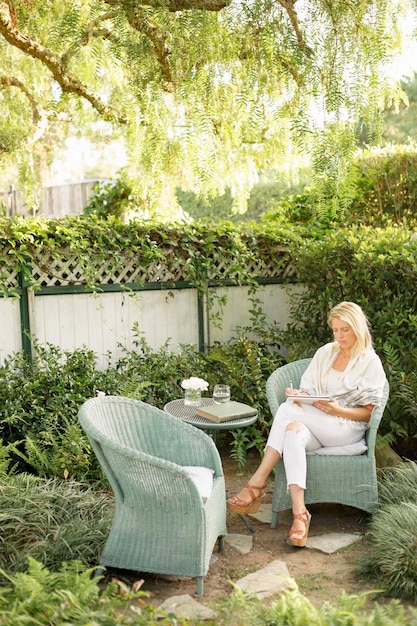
{"x":264,"y":514}
{"x":268,"y":581}
{"x":185,"y":607}
{"x":332,"y":542}
{"x":241,"y":543}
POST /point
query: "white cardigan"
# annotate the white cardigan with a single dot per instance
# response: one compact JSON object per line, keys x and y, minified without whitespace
{"x":362,"y":381}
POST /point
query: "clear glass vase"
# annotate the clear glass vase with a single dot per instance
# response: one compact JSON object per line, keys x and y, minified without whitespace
{"x":192,"y":397}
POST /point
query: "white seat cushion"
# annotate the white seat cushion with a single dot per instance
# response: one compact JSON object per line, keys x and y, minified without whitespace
{"x":202,"y":477}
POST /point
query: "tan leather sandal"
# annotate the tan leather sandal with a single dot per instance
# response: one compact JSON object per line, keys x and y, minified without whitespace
{"x":298,"y":538}
{"x":237,"y":505}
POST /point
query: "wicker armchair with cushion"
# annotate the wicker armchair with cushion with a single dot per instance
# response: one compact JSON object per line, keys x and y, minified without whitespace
{"x":167,"y":477}
{"x":345,"y":475}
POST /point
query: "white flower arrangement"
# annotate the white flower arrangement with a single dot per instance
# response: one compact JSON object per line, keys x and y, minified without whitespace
{"x":195,"y":383}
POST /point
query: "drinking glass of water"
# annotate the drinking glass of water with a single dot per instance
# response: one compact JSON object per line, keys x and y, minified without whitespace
{"x":221,"y":393}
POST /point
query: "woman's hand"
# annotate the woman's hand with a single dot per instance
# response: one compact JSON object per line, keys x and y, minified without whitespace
{"x":358,"y":414}
{"x":289,"y":391}
{"x":331,"y":407}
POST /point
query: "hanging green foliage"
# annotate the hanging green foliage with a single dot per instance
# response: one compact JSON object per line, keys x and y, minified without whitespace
{"x":208,"y":93}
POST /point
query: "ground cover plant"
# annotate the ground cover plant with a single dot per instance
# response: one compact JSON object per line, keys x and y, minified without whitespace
{"x":72,"y":596}
{"x":69,"y":595}
{"x":52,"y":521}
{"x":393,"y":558}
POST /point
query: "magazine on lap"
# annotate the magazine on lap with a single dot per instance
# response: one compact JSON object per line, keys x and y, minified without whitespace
{"x":309,"y":399}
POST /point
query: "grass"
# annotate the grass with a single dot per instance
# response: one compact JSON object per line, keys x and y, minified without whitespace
{"x":313,"y":582}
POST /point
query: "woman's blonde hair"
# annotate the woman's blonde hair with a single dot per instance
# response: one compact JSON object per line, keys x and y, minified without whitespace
{"x":352,"y":314}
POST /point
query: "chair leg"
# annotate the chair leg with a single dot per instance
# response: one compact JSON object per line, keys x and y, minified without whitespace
{"x":200,"y":585}
{"x":274,"y":520}
{"x":221,"y":544}
{"x":246,"y":522}
{"x":99,"y":571}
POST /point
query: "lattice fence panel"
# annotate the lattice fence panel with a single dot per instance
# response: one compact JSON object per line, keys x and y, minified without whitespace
{"x":9,"y":278}
{"x":52,"y":271}
{"x":66,"y":269}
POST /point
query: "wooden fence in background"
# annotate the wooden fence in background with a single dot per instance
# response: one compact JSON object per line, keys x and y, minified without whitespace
{"x":156,"y":301}
{"x":108,"y":323}
{"x":55,"y":201}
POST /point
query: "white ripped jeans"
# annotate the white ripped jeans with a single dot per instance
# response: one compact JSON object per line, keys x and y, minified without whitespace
{"x":314,"y":429}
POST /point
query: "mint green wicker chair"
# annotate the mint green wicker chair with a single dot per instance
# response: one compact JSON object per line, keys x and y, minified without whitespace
{"x":161,"y":523}
{"x":349,"y":480}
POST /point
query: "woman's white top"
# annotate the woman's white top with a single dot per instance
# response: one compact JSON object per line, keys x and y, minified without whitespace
{"x":362,"y":382}
{"x":333,"y":384}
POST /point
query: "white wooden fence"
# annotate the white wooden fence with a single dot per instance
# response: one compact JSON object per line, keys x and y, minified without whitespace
{"x":104,"y":323}
{"x":54,"y":201}
{"x":155,"y":297}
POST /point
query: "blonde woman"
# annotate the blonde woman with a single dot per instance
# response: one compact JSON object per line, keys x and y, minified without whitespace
{"x":350,"y":373}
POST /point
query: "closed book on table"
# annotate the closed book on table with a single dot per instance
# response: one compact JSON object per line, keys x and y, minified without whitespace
{"x":227,"y":411}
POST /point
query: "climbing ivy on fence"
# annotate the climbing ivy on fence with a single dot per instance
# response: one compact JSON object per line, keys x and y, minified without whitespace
{"x":195,"y":253}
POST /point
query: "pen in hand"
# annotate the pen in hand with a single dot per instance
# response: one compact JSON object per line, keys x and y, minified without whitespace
{"x":291,"y":387}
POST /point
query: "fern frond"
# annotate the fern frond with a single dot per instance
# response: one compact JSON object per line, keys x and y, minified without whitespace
{"x":133,"y":386}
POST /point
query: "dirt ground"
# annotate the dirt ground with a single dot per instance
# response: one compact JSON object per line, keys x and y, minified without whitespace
{"x":320,"y":577}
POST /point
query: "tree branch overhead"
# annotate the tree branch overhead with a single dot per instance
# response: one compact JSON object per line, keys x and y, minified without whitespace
{"x":67,"y":82}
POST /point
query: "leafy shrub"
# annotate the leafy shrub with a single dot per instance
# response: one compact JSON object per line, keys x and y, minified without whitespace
{"x":294,"y":209}
{"x":381,"y":184}
{"x":51,"y":521}
{"x":42,"y":396}
{"x":263,"y":197}
{"x":114,"y":198}
{"x":39,"y":410}
{"x":385,"y":189}
{"x":155,"y":376}
{"x":400,"y":416}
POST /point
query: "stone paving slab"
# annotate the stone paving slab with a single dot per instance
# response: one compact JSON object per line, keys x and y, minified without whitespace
{"x":271,"y":579}
{"x":331,"y":542}
{"x":265,"y":582}
{"x":241,"y":543}
{"x":264,"y":514}
{"x":185,"y":607}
